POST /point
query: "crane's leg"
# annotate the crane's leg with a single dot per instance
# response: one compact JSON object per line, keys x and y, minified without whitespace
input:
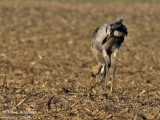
{"x":96,"y":83}
{"x":99,"y":69}
{"x":106,"y":75}
{"x":100,"y":59}
{"x":114,"y":69}
{"x":106,"y":57}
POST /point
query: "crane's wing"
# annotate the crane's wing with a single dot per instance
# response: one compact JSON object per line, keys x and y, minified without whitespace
{"x":100,"y":33}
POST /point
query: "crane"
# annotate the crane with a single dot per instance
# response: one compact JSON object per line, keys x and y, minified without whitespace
{"x":106,"y":40}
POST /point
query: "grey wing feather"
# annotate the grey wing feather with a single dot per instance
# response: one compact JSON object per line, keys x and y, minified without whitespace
{"x":100,"y":33}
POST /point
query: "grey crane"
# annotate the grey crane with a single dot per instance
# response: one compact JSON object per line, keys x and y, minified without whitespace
{"x":106,"y":40}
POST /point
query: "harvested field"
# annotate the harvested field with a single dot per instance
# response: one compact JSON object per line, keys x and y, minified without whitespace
{"x":45,"y":61}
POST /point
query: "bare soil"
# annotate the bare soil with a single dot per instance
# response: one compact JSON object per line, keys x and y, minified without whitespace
{"x":45,"y":61}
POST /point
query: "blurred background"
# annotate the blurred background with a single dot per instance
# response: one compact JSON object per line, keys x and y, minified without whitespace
{"x":45,"y":59}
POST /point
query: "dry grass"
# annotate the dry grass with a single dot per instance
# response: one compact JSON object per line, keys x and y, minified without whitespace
{"x":45,"y":59}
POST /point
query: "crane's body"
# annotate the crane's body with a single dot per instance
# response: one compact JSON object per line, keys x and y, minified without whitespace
{"x":106,"y":40}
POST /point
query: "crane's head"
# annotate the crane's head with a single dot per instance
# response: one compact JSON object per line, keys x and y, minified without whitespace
{"x":120,"y":20}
